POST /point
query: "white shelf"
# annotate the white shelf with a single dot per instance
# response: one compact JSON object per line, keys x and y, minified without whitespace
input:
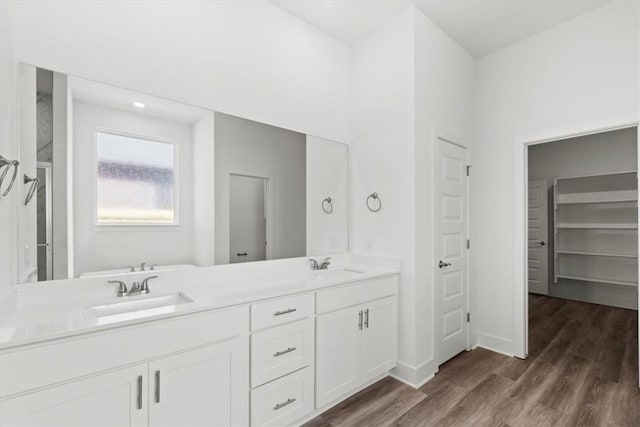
{"x":598,"y":280}
{"x":598,"y":197}
{"x":607,"y":205}
{"x":599,"y":225}
{"x":596,"y":254}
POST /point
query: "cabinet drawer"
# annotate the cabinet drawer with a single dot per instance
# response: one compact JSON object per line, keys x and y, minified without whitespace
{"x":279,"y":311}
{"x":347,"y":296}
{"x":283,"y":401}
{"x":278,"y":351}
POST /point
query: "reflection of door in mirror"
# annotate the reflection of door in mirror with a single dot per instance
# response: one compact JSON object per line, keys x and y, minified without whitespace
{"x":247,"y":218}
{"x":43,"y":215}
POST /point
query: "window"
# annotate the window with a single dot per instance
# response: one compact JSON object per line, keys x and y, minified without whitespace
{"x":135,"y":181}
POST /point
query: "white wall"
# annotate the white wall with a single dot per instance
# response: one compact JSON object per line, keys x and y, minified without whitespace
{"x":382,"y":150}
{"x":246,"y":58}
{"x":203,"y":182}
{"x":444,"y":103}
{"x":249,"y":148}
{"x":327,"y":176}
{"x":582,"y":71}
{"x":410,"y":81}
{"x":105,"y":248}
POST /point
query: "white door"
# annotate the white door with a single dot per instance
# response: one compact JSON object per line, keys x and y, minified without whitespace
{"x":378,"y":338}
{"x":451,"y":249}
{"x":247,"y":218}
{"x":118,"y":398}
{"x":537,"y":255}
{"x":204,"y":387}
{"x":338,"y":353}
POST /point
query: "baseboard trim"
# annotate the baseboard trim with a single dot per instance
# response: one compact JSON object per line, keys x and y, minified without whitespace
{"x":415,"y":376}
{"x":496,"y":344}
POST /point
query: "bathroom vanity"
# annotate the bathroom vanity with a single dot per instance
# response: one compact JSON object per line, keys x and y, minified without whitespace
{"x":276,"y":351}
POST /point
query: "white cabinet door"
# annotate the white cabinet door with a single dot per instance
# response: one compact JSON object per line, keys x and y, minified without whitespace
{"x":379,"y":338}
{"x":117,"y":398}
{"x":203,"y":387}
{"x":338,"y":354}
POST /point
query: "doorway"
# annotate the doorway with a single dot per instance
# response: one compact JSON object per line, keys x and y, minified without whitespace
{"x":451,"y":247}
{"x":44,"y":232}
{"x":248,"y":204}
{"x":592,"y":244}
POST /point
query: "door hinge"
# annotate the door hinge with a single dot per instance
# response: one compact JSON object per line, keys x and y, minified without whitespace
{"x":468,"y":317}
{"x":468,"y":244}
{"x":468,"y":170}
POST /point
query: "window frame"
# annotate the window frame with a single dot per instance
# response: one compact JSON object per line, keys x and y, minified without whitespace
{"x":132,"y":226}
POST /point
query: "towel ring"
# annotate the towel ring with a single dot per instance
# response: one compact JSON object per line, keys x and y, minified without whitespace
{"x":374,"y":196}
{"x":327,"y":205}
{"x":9,"y":164}
{"x":32,"y":190}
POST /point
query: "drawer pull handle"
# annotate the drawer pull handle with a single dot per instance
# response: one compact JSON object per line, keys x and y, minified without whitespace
{"x":157,"y":390}
{"x":139,"y":399}
{"x":287,"y":311}
{"x":360,"y":320}
{"x":281,"y":352}
{"x":283,"y":404}
{"x":366,"y":318}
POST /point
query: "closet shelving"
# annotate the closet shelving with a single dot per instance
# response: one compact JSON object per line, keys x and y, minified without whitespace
{"x":596,"y":229}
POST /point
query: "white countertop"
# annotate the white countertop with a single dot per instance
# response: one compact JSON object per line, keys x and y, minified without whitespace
{"x":31,"y":317}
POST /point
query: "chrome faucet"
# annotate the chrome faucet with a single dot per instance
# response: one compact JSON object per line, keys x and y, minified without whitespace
{"x":324,"y":265}
{"x":122,"y":287}
{"x":137,"y":288}
{"x":144,"y":286}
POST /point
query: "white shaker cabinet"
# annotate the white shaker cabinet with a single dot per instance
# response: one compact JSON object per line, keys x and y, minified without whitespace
{"x":202,"y":387}
{"x":338,"y":354}
{"x":117,"y":398}
{"x":354,"y":344}
{"x":379,"y":348}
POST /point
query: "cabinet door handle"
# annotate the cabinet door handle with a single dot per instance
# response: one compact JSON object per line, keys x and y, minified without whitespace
{"x":366,"y":318}
{"x":281,"y":352}
{"x":139,"y":391}
{"x":157,"y":390}
{"x":287,"y":311}
{"x":360,"y":320}
{"x":283,"y":404}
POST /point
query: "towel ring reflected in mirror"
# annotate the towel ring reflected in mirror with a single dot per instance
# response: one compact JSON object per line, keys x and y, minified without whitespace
{"x":371,"y":202}
{"x":32,"y":189}
{"x":8,"y":165}
{"x":327,"y":206}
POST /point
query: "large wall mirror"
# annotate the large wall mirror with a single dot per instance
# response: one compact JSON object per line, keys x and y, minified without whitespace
{"x":116,"y":181}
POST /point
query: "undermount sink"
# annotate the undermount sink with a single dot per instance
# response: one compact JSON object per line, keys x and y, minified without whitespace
{"x":331,"y":274}
{"x":139,"y":306}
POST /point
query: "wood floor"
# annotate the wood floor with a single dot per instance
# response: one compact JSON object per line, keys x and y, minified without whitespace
{"x":582,"y":371}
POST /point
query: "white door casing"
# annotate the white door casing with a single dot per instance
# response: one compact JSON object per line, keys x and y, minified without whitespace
{"x":451,"y":207}
{"x":538,"y":244}
{"x":247,"y":218}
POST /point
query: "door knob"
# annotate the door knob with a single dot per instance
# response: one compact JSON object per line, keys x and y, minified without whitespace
{"x":542,"y":243}
{"x":443,"y":264}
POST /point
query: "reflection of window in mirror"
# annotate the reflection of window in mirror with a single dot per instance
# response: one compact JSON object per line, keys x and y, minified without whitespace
{"x":135,"y":181}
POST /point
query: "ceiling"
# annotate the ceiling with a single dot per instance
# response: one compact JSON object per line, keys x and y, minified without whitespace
{"x":480,"y":26}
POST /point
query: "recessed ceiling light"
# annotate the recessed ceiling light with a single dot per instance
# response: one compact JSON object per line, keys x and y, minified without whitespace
{"x":138,"y":104}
